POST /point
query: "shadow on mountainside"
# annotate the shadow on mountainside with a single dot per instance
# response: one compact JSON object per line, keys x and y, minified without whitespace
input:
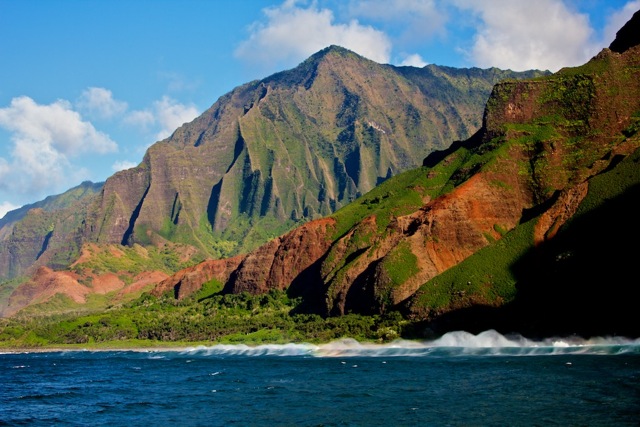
{"x":583,"y":282}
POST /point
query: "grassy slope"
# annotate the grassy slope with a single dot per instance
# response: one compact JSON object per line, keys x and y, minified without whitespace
{"x":203,"y":318}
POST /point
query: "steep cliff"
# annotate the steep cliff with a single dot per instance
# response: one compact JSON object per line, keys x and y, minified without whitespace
{"x":469,"y":228}
{"x":47,"y":231}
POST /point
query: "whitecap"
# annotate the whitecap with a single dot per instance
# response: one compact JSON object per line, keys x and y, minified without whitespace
{"x":457,"y":343}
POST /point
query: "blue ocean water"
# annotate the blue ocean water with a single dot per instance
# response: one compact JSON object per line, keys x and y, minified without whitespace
{"x":458,"y":380}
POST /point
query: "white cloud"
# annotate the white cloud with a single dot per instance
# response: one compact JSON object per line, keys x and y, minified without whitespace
{"x":45,"y":138}
{"x":166,"y":114}
{"x":293,"y":33}
{"x":122,"y":165}
{"x":140,"y":118}
{"x":98,"y":102}
{"x":417,"y":20}
{"x":50,"y":147}
{"x":524,"y":34}
{"x":618,"y":19}
{"x":171,"y":114}
{"x":176,"y":82}
{"x":6,"y":207}
{"x":55,"y":126}
{"x":414,"y":60}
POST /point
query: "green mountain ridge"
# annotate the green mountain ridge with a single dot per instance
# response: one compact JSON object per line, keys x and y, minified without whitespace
{"x":27,"y":232}
{"x":268,"y":155}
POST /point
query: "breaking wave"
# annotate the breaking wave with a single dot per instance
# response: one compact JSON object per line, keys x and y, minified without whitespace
{"x":460,"y":343}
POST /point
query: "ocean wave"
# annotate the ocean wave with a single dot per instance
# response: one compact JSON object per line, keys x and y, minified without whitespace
{"x":258,"y":350}
{"x":459,"y":343}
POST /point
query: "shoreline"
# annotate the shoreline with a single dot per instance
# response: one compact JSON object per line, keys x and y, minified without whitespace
{"x":91,"y":350}
{"x":458,"y":339}
{"x":140,"y":348}
{"x":155,"y":348}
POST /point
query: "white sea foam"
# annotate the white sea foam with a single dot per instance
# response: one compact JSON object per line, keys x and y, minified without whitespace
{"x":485,"y":343}
{"x":259,"y":350}
{"x":458,"y":343}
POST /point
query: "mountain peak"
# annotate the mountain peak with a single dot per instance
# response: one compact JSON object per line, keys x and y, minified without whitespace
{"x":332,"y":49}
{"x":305,"y":73}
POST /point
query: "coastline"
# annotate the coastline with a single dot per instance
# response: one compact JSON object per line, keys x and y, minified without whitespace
{"x":487,"y":342}
{"x":105,"y":347}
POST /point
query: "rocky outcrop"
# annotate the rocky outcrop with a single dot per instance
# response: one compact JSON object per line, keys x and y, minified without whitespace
{"x":189,"y":280}
{"x":272,"y":266}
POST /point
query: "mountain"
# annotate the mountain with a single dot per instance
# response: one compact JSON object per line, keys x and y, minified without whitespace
{"x":265,"y":157}
{"x":26,"y":233}
{"x":529,"y":225}
{"x":295,"y":146}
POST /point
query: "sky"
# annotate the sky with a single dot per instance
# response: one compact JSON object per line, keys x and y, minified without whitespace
{"x":86,"y":86}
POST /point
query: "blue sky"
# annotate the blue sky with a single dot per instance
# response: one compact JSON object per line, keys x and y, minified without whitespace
{"x":86,"y":85}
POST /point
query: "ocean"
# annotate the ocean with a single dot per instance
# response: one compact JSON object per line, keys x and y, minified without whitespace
{"x":457,"y":380}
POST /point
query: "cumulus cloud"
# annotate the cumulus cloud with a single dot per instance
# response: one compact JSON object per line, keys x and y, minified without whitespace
{"x":6,"y":207}
{"x":416,"y":20}
{"x":510,"y":34}
{"x":99,"y":102}
{"x":56,"y":126}
{"x":292,"y":33}
{"x":172,"y":114}
{"x":45,"y":138}
{"x":122,"y":165}
{"x":167,"y":114}
{"x":414,"y":60}
{"x":140,"y":118}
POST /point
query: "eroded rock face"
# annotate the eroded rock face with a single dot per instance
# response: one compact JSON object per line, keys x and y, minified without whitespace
{"x":115,"y":212}
{"x":441,"y":234}
{"x":272,"y":266}
{"x":47,"y":283}
{"x":561,"y":210}
{"x":293,"y":254}
{"x":190,"y":280}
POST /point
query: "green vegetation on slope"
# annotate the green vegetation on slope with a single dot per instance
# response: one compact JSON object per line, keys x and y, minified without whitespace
{"x":39,"y":233}
{"x":486,"y":277}
{"x":612,"y":183}
{"x":241,"y":318}
{"x":406,"y":192}
{"x":493,"y":275}
{"x":133,"y":260}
